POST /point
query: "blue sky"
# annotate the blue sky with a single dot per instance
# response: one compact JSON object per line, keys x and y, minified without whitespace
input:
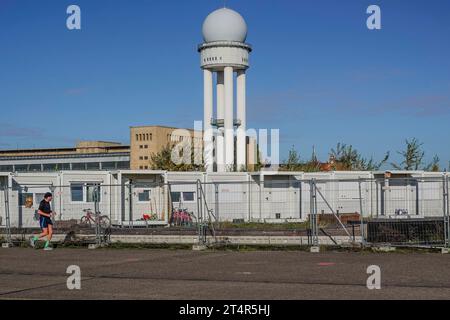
{"x":317,"y":73}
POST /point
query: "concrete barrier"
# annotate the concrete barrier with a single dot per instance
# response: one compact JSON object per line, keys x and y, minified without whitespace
{"x":192,"y":239}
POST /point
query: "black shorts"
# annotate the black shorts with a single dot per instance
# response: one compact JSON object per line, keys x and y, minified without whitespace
{"x":44,"y":222}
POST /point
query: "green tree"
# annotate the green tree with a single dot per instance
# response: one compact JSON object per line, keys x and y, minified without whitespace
{"x":293,"y":161}
{"x":348,"y":158}
{"x":344,"y":156}
{"x":412,"y":156}
{"x":434,"y":165}
{"x":162,"y":160}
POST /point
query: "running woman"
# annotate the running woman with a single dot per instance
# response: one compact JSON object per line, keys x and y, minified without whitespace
{"x":45,"y":222}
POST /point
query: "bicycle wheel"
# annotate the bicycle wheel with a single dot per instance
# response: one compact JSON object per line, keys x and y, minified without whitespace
{"x":85,"y":220}
{"x":105,"y":222}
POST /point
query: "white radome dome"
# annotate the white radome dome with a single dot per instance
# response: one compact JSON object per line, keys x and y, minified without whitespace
{"x":224,"y":25}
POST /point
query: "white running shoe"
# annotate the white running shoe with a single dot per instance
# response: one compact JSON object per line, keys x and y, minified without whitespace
{"x":48,"y":248}
{"x":32,"y":242}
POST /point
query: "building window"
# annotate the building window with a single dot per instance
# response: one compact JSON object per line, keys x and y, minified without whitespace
{"x":78,"y":166}
{"x":26,"y":200}
{"x":93,"y":166}
{"x":144,"y":196}
{"x":64,"y":166}
{"x":93,"y":192}
{"x":50,"y":167}
{"x":85,"y":192}
{"x":37,"y":167}
{"x":151,"y":136}
{"x":140,"y":147}
{"x":141,"y":158}
{"x":6,"y":168}
{"x":76,"y":192}
{"x":146,"y":167}
{"x":137,"y":137}
{"x":38,"y":197}
{"x":175,"y":196}
{"x":146,"y":147}
{"x":185,"y":196}
{"x":146,"y":158}
{"x":141,"y":167}
{"x":123,"y":165}
{"x":21,"y":167}
{"x":108,"y":165}
{"x":188,"y":196}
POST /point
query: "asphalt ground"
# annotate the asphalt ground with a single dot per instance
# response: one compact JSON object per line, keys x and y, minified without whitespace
{"x":27,"y":273}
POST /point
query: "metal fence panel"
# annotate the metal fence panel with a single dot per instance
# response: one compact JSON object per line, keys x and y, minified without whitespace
{"x":400,"y":211}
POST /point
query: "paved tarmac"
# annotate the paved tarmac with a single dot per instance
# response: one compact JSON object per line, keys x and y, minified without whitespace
{"x":185,"y":274}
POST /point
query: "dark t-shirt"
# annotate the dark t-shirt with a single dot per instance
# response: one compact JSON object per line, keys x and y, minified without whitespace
{"x":44,"y":206}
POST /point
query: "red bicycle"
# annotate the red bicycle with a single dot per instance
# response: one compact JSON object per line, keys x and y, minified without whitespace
{"x":95,"y":218}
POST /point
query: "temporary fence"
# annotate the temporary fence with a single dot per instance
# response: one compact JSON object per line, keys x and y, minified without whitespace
{"x":398,"y":211}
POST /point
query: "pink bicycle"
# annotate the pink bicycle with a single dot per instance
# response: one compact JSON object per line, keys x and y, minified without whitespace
{"x":181,"y":217}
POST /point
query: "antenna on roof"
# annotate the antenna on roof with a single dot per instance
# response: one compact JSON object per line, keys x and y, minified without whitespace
{"x":314,"y":156}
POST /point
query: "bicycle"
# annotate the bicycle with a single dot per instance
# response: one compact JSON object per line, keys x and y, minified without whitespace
{"x":181,"y":217}
{"x":96,"y":218}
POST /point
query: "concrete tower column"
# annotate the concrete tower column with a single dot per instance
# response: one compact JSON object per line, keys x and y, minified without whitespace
{"x":225,"y":52}
{"x":220,"y":152}
{"x":241,"y":145}
{"x":228,"y":121}
{"x":207,"y":115}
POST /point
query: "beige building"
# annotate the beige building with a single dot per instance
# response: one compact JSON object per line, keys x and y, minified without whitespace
{"x":148,"y":140}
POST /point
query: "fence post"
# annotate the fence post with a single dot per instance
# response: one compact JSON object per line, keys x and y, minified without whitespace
{"x":313,"y":212}
{"x":130,"y":204}
{"x":261,"y":188}
{"x":200,"y":227}
{"x":98,"y":239}
{"x":361,"y":214}
{"x":300,"y":198}
{"x":216,"y":201}
{"x":446,"y":212}
{"x":7,"y":217}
